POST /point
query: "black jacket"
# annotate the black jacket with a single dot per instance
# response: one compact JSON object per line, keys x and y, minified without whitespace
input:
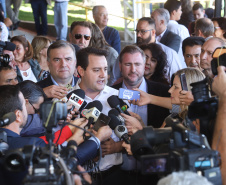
{"x":171,"y":40}
{"x":156,"y":114}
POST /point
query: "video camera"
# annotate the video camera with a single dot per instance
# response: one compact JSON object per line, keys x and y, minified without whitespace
{"x":46,"y":165}
{"x":175,"y":148}
{"x":5,"y":59}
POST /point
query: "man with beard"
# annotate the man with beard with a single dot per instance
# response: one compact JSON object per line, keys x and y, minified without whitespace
{"x":146,"y":34}
{"x":132,"y":66}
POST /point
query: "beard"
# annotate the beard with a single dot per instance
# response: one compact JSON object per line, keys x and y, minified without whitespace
{"x":141,"y":41}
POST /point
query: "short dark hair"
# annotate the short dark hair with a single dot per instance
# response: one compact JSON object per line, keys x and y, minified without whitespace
{"x":31,"y":91}
{"x":172,"y":5}
{"x":150,"y":21}
{"x":131,"y":49}
{"x":197,"y":6}
{"x":222,"y":24}
{"x":205,"y":25}
{"x":4,"y":68}
{"x":81,"y":23}
{"x":83,"y":54}
{"x":192,"y":41}
{"x":9,"y":99}
{"x":60,"y":44}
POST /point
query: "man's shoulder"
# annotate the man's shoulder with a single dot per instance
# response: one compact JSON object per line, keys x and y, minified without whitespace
{"x":117,"y":86}
{"x":46,"y":82}
{"x":110,"y":29}
{"x":110,"y":90}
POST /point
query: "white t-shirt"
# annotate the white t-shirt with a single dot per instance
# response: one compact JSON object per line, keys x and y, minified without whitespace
{"x":28,"y":75}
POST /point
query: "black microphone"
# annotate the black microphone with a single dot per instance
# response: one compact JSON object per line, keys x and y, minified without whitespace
{"x":7,"y":46}
{"x":124,"y":107}
{"x":117,"y":114}
{"x":114,"y":102}
{"x":76,"y":98}
{"x":7,"y":119}
{"x":120,"y":130}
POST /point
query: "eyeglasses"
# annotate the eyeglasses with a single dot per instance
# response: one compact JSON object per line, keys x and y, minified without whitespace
{"x":217,"y":27}
{"x":142,"y":31}
{"x":36,"y":110}
{"x":79,"y":36}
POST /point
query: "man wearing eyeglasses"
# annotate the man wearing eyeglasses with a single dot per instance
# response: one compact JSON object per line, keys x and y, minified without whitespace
{"x":80,"y":33}
{"x":145,"y":32}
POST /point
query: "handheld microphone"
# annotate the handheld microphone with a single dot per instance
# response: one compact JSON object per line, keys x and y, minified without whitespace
{"x":76,"y":98}
{"x":114,"y":102}
{"x":124,"y":107}
{"x":120,"y":130}
{"x":93,"y":112}
{"x":116,"y":113}
{"x":7,"y":119}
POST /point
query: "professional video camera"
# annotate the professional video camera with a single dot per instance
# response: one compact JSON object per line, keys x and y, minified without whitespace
{"x":175,"y":148}
{"x":46,"y":165}
{"x":5,"y":59}
{"x":204,"y":107}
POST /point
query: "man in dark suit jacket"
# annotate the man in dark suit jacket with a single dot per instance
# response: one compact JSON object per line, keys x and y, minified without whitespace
{"x":62,"y":62}
{"x":132,"y":62}
{"x":163,"y":35}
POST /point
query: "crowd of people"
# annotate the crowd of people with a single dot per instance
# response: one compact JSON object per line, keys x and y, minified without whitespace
{"x":166,"y":47}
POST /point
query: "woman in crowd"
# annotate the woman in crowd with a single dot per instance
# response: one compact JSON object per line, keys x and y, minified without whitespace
{"x":97,"y":40}
{"x":220,"y":27}
{"x":26,"y":67}
{"x":187,"y":14}
{"x":156,"y":62}
{"x":40,"y":46}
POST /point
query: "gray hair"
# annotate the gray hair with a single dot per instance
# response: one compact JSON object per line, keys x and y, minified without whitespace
{"x":95,"y":8}
{"x":163,"y":14}
{"x":60,"y":44}
{"x":205,"y":25}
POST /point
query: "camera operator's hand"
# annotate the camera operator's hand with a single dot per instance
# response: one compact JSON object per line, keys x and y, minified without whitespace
{"x":78,"y":133}
{"x":219,"y":82}
{"x":127,"y":148}
{"x":55,"y":91}
{"x":110,"y":147}
{"x":85,"y":176}
{"x":186,"y":97}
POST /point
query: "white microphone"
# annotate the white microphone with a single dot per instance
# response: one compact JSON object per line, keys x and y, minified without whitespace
{"x":93,"y":113}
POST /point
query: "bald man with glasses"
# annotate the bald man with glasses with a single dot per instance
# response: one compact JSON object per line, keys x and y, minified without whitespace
{"x":80,"y":33}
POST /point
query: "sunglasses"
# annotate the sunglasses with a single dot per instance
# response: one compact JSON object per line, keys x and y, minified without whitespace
{"x":79,"y":36}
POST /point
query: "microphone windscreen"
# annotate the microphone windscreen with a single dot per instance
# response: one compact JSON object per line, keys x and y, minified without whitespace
{"x":113,"y":101}
{"x":114,"y":112}
{"x":11,"y":116}
{"x":98,"y":105}
{"x":114,"y":122}
{"x":78,"y":92}
{"x":9,"y":46}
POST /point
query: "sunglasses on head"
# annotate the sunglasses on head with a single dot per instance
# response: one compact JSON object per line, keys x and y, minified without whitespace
{"x":79,"y":36}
